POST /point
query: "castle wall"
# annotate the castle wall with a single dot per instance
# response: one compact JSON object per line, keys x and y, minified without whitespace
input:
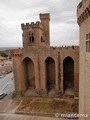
{"x":19,"y":75}
{"x":39,"y":58}
{"x":46,"y":62}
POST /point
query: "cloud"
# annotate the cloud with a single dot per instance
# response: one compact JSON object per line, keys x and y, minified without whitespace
{"x":64,"y":34}
{"x":64,"y":29}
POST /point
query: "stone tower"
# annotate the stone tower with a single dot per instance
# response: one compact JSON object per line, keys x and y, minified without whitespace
{"x":45,"y":18}
{"x":36,"y":35}
{"x":83,"y":19}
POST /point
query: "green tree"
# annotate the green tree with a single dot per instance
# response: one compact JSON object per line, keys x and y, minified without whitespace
{"x":4,"y":54}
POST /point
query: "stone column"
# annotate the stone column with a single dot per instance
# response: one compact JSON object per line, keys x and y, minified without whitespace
{"x":37,"y":74}
{"x":61,"y":76}
{"x":56,"y":75}
{"x":76,"y":78}
{"x":43,"y":77}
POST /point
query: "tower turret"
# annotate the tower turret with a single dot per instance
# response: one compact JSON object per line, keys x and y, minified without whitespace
{"x":45,"y":18}
{"x":83,"y":19}
{"x":36,"y":34}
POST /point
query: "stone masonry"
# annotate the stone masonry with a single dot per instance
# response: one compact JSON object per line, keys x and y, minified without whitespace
{"x":42,"y":68}
{"x":83,"y":19}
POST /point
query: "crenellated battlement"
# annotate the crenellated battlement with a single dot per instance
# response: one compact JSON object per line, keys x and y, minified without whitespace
{"x":31,"y":25}
{"x":66,"y":48}
{"x":84,"y":15}
{"x":83,"y":11}
{"x":44,"y":16}
{"x":16,"y":52}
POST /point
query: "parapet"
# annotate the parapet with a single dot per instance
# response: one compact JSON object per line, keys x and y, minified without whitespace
{"x":44,"y":16}
{"x":79,"y":5}
{"x":31,"y":25}
{"x":16,"y":52}
{"x":66,"y":47}
{"x":83,"y":11}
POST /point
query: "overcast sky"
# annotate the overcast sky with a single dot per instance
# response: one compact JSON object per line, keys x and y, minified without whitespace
{"x":63,"y":23}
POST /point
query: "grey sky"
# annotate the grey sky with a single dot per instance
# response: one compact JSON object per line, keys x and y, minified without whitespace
{"x":63,"y":25}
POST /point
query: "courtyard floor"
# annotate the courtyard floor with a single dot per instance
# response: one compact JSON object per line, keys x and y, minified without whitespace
{"x":36,"y":108}
{"x":47,"y":106}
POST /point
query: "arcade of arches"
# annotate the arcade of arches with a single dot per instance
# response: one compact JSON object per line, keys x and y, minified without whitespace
{"x":66,"y":80}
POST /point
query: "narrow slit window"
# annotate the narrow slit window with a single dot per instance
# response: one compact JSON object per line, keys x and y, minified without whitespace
{"x":86,"y":36}
{"x":89,"y":35}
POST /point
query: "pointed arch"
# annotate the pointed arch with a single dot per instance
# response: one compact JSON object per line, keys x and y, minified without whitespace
{"x":50,"y":73}
{"x":29,"y":72}
{"x":68,"y":74}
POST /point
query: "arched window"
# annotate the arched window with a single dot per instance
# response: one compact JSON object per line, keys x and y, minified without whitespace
{"x":41,"y":39}
{"x":31,"y":39}
{"x":88,"y":42}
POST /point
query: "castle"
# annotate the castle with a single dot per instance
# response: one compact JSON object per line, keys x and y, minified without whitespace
{"x":83,"y":19}
{"x":41,"y":70}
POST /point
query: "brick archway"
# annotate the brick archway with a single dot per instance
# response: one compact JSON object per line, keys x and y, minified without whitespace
{"x":29,"y":73}
{"x":50,"y":73}
{"x":68,"y":74}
